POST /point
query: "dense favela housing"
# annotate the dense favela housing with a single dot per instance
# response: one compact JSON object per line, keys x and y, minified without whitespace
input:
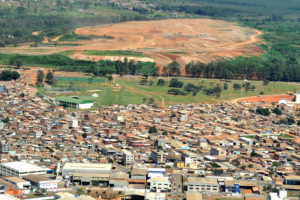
{"x":184,"y":151}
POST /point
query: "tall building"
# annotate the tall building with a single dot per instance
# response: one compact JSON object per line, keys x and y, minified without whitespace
{"x":158,"y":157}
{"x":128,"y":158}
{"x":196,"y":184}
{"x":159,"y":184}
{"x":160,"y":142}
{"x":4,"y":147}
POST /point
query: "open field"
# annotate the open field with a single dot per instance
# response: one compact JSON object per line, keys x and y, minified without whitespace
{"x":127,"y":90}
{"x":161,"y":41}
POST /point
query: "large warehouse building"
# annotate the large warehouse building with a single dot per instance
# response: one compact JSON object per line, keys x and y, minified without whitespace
{"x":96,"y":174}
{"x":20,"y":169}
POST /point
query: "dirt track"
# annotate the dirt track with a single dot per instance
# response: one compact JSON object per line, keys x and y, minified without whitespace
{"x":266,"y":98}
{"x":182,"y":40}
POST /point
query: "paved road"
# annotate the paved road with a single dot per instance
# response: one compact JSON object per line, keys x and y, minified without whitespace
{"x":176,"y":186}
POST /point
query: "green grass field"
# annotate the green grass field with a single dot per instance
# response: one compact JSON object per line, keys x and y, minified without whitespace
{"x":127,"y":90}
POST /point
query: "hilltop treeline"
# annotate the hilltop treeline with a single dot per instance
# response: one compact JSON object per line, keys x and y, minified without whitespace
{"x":52,"y":18}
{"x":279,"y":20}
{"x":100,"y":68}
{"x":251,"y":68}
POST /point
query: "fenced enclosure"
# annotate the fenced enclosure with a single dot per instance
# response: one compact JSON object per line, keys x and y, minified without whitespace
{"x":80,"y":79}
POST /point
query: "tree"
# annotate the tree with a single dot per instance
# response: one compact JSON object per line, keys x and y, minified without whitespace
{"x":50,"y":79}
{"x":110,"y":78}
{"x":161,"y":82}
{"x":174,"y":68}
{"x":5,"y":120}
{"x":235,"y":162}
{"x":250,"y":165}
{"x":269,"y":188}
{"x":217,"y":172}
{"x":80,"y":191}
{"x":164,"y":133}
{"x":18,"y":64}
{"x":151,"y":101}
{"x":176,"y":92}
{"x":237,"y":86}
{"x":263,"y":111}
{"x":266,"y":82}
{"x":277,"y":111}
{"x":175,"y":83}
{"x":152,"y":129}
{"x":40,"y":77}
{"x":215,"y":165}
{"x":144,"y":100}
{"x":143,"y":82}
{"x":252,"y":153}
{"x":225,"y":86}
{"x":276,"y":164}
{"x":7,"y":75}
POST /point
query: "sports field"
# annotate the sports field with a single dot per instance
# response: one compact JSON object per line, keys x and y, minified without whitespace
{"x":80,"y":79}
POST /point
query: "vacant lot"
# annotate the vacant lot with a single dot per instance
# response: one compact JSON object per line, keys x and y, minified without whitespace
{"x":183,"y":40}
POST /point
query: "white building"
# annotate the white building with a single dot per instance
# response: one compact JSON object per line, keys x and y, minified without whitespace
{"x":42,"y":182}
{"x":128,"y":157}
{"x":20,"y":169}
{"x":196,"y":184}
{"x":155,"y":196}
{"x":280,"y":196}
{"x":159,"y":184}
{"x":20,"y":183}
{"x":156,"y":172}
{"x":298,"y":98}
{"x":70,"y":168}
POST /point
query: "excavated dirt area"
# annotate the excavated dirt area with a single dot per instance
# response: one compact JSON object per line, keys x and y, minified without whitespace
{"x":267,"y":98}
{"x":182,"y":40}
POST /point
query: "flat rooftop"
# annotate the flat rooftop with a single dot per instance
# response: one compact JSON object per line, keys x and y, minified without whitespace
{"x":202,"y":181}
{"x":15,"y":179}
{"x":23,"y":167}
{"x":37,"y":178}
{"x":7,"y":197}
{"x":87,"y":166}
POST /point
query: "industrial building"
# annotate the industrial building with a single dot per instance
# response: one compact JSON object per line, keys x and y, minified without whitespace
{"x":75,"y":102}
{"x":20,"y":183}
{"x":20,"y":169}
{"x":96,"y":174}
{"x":42,"y":182}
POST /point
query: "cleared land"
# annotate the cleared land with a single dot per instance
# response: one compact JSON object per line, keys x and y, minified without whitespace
{"x":161,"y":41}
